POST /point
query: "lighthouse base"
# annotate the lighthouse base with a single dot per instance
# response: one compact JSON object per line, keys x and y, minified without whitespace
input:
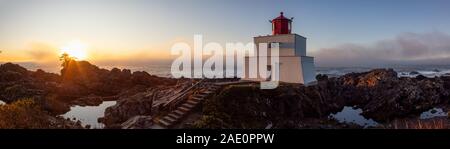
{"x":292,"y":69}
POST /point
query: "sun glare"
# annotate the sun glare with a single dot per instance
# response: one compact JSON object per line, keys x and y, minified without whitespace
{"x":75,"y":49}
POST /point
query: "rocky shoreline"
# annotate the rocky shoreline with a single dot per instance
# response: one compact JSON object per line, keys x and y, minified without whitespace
{"x":80,"y":83}
{"x":380,"y":93}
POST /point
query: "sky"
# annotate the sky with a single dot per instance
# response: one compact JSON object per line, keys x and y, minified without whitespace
{"x":339,"y":32}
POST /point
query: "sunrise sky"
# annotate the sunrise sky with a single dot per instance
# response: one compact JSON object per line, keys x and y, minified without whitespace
{"x":339,"y":32}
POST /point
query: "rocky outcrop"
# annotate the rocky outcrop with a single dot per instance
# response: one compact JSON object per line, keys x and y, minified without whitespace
{"x":247,"y":106}
{"x":17,"y":82}
{"x":379,"y":93}
{"x":84,"y":84}
{"x":127,"y":107}
{"x":80,"y":78}
{"x":383,"y":96}
{"x":140,"y":103}
{"x":90,"y":100}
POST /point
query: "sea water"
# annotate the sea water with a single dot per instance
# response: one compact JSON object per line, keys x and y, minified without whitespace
{"x":432,"y":113}
{"x":351,"y":115}
{"x":163,"y":70}
{"x":88,"y":115}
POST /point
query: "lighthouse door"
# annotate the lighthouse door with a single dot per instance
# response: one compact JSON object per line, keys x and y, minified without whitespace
{"x":269,"y":71}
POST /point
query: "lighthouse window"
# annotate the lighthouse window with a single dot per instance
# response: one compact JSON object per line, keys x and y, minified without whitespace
{"x":269,"y":45}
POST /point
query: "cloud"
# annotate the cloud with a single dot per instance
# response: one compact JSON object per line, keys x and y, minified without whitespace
{"x":405,"y":49}
{"x":42,"y":52}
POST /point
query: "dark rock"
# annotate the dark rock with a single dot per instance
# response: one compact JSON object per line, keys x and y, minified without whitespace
{"x":127,"y":107}
{"x":141,"y":101}
{"x":18,"y":83}
{"x":414,"y":73}
{"x":138,"y":122}
{"x":13,"y":68}
{"x":321,"y":77}
{"x":433,"y":111}
{"x":420,"y":77}
{"x":81,"y":78}
{"x":90,"y":100}
{"x":379,"y":93}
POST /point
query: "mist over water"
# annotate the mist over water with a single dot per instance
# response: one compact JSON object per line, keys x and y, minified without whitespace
{"x":429,"y":48}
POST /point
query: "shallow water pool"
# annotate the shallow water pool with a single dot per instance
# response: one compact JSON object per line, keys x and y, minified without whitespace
{"x":88,"y":115}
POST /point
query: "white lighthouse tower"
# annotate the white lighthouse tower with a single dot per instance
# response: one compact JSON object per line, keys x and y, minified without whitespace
{"x":294,"y":65}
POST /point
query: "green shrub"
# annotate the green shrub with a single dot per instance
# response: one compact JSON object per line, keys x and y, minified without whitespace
{"x":23,"y":114}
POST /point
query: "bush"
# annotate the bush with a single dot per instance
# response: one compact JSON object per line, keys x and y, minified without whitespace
{"x":23,"y":114}
{"x":435,"y":123}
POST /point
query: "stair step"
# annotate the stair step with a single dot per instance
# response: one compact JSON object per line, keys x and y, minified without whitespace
{"x":192,"y":102}
{"x":175,"y":116}
{"x":197,"y":99}
{"x":184,"y":109}
{"x":201,"y":95}
{"x":165,"y":123}
{"x":188,"y":105}
{"x":169,"y":119}
{"x":179,"y":112}
{"x":208,"y":92}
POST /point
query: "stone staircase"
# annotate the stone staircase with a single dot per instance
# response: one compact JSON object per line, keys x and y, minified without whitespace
{"x":175,"y":116}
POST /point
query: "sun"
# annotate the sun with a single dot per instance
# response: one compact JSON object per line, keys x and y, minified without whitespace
{"x":75,"y":49}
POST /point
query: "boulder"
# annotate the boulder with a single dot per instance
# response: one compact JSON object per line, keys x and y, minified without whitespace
{"x":414,"y":73}
{"x":127,"y":107}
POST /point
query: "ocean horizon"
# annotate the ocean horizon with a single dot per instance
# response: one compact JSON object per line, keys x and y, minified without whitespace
{"x":163,"y":70}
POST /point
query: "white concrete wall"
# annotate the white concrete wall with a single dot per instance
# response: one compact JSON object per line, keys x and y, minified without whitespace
{"x":309,"y":71}
{"x":286,"y":42}
{"x":295,"y":66}
{"x":300,"y":45}
{"x":290,"y":68}
{"x":285,"y":52}
{"x":290,"y":44}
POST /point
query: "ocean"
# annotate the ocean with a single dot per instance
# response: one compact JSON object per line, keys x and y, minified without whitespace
{"x":163,"y":70}
{"x":402,"y":71}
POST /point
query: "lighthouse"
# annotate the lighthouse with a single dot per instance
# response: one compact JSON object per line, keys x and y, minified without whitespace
{"x":294,"y":65}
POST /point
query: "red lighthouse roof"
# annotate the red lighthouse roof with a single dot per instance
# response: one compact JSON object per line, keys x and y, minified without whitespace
{"x":281,"y":17}
{"x":281,"y":25}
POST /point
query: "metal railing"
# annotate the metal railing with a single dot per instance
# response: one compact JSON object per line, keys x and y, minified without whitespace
{"x":172,"y":103}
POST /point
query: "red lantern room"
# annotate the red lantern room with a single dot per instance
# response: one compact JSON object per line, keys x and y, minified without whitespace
{"x":281,"y":25}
